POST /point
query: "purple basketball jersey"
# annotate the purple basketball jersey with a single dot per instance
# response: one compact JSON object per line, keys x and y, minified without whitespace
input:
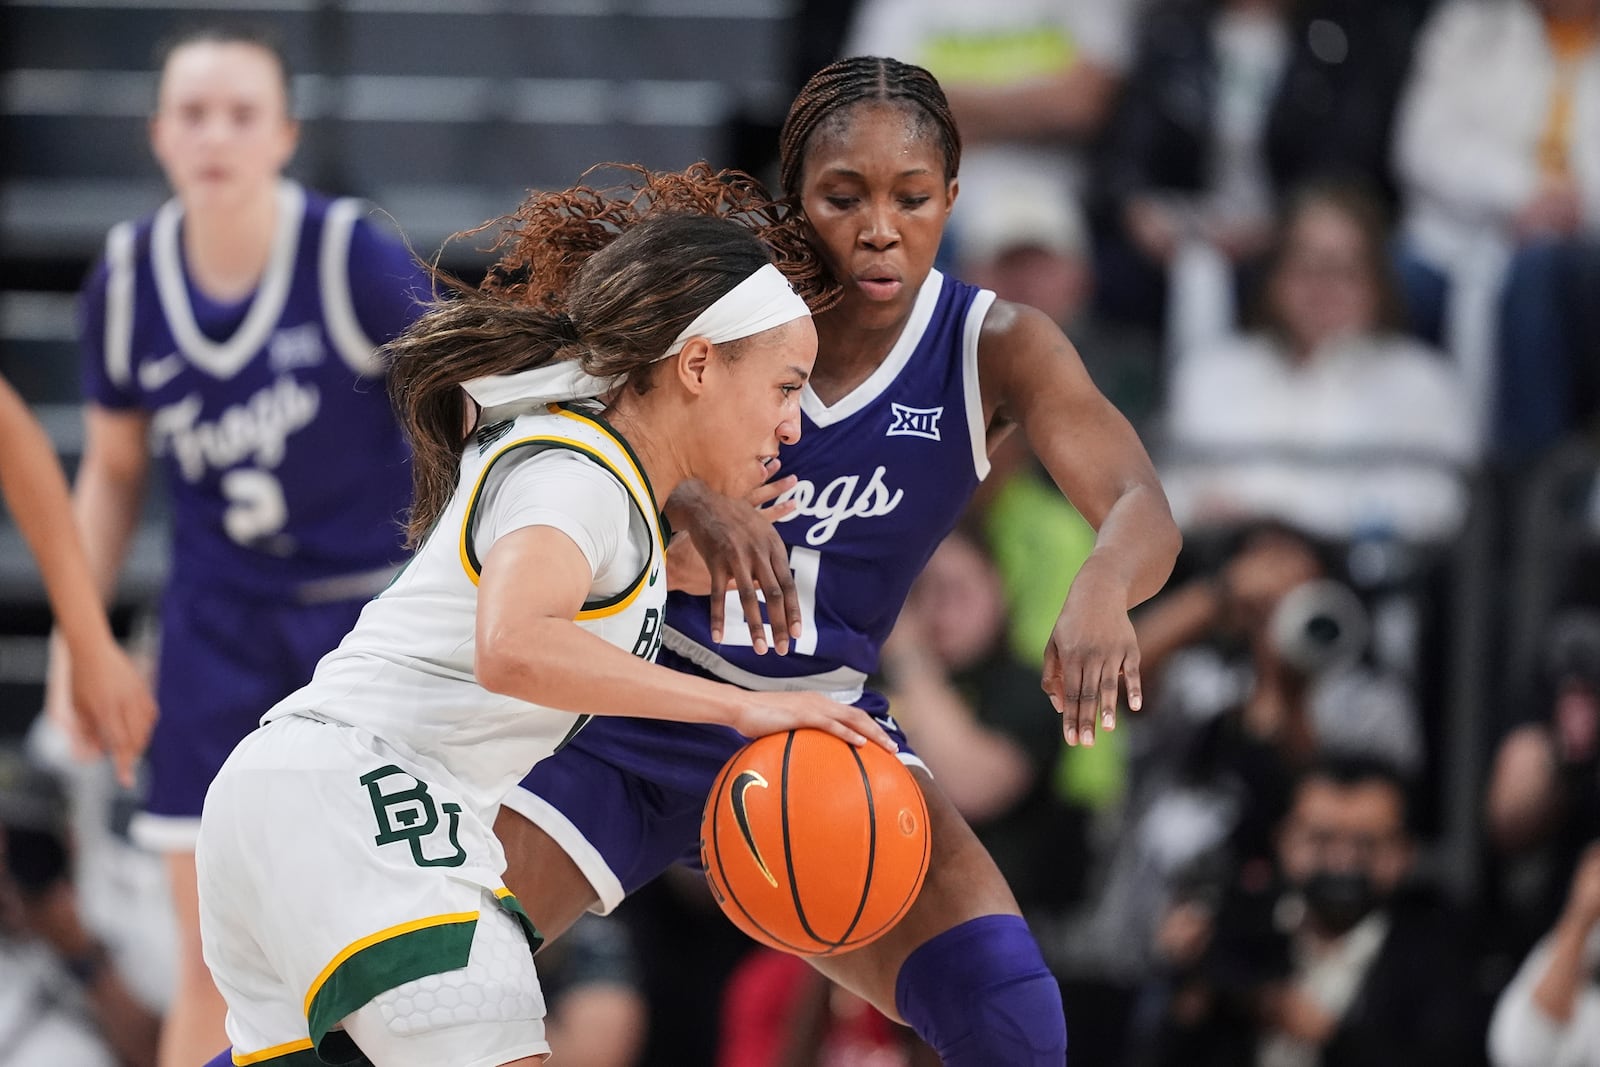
{"x":286,"y":468}
{"x":885,"y":473}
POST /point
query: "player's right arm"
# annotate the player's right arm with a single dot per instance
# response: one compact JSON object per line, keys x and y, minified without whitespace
{"x":533,"y":583}
{"x":107,"y":501}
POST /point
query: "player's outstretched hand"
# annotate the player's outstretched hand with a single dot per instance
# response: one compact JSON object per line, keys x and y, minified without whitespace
{"x":1093,"y":652}
{"x":113,"y":705}
{"x":771,"y":713}
{"x":741,"y":551}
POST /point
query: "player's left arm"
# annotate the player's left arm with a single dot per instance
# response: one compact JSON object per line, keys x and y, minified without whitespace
{"x":1031,"y":375}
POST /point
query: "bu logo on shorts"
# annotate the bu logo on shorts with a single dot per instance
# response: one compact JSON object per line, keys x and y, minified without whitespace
{"x":408,"y":813}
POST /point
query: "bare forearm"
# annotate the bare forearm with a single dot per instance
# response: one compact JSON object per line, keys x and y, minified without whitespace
{"x":107,"y":506}
{"x":1137,"y":544}
{"x":1565,"y":974}
{"x":558,"y":664}
{"x":37,"y":497}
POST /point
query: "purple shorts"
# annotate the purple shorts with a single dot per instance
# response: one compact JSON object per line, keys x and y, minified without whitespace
{"x":624,"y":797}
{"x":224,"y":661}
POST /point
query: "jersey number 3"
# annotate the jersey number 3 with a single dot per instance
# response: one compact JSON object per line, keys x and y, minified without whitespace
{"x":256,"y":508}
{"x":805,"y":564}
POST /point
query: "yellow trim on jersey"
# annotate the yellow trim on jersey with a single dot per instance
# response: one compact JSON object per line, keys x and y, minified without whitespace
{"x":383,"y":935}
{"x":585,"y":449}
{"x":300,"y":1045}
{"x":627,"y":454}
{"x":502,"y":893}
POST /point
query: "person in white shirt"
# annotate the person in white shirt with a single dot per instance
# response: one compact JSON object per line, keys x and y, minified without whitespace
{"x":1326,"y":416}
{"x":1497,"y":149}
{"x":1549,"y":1016}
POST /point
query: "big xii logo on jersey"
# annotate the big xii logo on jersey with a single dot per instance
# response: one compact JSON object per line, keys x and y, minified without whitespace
{"x":406,"y":812}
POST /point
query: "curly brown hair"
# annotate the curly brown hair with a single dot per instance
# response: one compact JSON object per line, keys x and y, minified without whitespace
{"x":602,"y":280}
{"x":551,"y":235}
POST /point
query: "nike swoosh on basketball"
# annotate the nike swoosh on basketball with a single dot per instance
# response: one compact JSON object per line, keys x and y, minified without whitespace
{"x":154,"y":373}
{"x":745,"y":780}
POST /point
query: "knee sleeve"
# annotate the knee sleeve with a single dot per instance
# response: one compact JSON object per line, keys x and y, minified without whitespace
{"x":981,"y":995}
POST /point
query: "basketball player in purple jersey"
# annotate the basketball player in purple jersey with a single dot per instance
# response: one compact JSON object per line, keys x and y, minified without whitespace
{"x":917,"y":377}
{"x":235,"y":331}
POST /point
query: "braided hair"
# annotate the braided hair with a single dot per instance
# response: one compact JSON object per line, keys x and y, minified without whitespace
{"x":835,"y":88}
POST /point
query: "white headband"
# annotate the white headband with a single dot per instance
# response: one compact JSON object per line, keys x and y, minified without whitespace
{"x":759,"y":303}
{"x":549,"y":384}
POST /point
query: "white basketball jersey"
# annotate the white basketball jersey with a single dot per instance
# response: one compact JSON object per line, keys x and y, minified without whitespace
{"x":405,"y":672}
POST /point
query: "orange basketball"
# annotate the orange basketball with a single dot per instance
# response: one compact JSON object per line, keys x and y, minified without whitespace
{"x":812,"y":845}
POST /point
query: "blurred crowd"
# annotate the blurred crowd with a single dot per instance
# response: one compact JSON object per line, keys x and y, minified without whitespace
{"x":1338,"y":261}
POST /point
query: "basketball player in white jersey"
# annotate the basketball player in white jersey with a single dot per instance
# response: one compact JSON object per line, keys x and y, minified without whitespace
{"x":351,"y":894}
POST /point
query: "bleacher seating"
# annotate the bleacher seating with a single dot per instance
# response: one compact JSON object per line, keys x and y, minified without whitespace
{"x":443,"y":112}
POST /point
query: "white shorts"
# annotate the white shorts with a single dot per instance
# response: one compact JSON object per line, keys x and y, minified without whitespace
{"x":350,"y":897}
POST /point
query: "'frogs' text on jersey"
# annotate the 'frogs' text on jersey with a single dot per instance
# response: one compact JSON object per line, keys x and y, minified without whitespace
{"x":287,"y":470}
{"x":884,"y":473}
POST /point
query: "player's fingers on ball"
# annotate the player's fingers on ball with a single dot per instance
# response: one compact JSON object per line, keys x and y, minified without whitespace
{"x":866,"y":725}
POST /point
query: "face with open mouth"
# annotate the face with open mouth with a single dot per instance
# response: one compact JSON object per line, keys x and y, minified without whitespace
{"x":876,"y":194}
{"x":753,"y":402}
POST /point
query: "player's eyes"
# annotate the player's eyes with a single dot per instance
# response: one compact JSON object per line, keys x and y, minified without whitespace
{"x":913,"y":202}
{"x":841,"y":202}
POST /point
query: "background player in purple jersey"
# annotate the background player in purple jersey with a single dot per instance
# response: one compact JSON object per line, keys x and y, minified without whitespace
{"x":234,"y":332}
{"x":917,"y":377}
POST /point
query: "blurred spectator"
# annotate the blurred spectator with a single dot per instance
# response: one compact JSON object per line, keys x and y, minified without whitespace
{"x":1250,"y":675}
{"x":596,"y":1011}
{"x":1543,"y":797}
{"x":1324,"y":415}
{"x":1027,"y":239}
{"x":1339,"y":962}
{"x":781,"y":1013}
{"x":687,"y":951}
{"x":1498,"y":150}
{"x":1031,"y":82}
{"x":1229,"y":103}
{"x":1276,"y":633}
{"x":63,"y":997}
{"x":983,"y":725}
{"x":1549,"y":1016}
